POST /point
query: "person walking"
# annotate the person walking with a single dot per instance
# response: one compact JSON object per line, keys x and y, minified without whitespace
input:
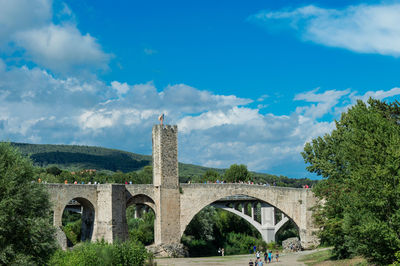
{"x":277,"y":255}
{"x":269,"y":256}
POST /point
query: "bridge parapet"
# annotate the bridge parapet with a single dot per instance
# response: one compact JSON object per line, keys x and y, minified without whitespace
{"x":238,"y":185}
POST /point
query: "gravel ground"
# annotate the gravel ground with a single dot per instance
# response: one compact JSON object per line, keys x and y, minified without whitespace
{"x":285,"y":259}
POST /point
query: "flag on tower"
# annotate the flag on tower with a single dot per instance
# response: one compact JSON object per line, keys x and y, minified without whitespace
{"x":161,"y":118}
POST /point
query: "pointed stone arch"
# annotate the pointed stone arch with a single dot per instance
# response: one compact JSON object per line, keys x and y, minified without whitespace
{"x":88,"y":215}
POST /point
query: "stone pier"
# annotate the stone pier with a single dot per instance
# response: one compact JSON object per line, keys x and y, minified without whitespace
{"x":166,"y":184}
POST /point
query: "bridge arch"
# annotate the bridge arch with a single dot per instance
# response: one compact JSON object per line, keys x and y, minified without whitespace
{"x":141,"y":199}
{"x":238,"y":205}
{"x":141,"y":206}
{"x":87,"y":217}
{"x":261,"y":214}
{"x":142,"y":203}
{"x":293,"y":202}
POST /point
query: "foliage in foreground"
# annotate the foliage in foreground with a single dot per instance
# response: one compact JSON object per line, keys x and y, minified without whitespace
{"x":26,"y":232}
{"x":102,"y":253}
{"x":360,"y":164}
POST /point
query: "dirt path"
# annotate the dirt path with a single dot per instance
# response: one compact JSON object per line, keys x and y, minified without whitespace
{"x":285,"y":259}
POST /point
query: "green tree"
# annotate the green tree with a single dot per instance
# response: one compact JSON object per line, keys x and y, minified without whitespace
{"x":145,"y":176}
{"x":141,"y":229}
{"x":237,"y":173}
{"x":360,"y":164}
{"x":211,"y":175}
{"x":214,"y":228}
{"x":54,"y":170}
{"x":26,"y":233}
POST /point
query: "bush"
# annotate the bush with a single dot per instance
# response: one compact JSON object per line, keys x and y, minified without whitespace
{"x":141,"y":229}
{"x":102,"y":253}
{"x":73,"y":231}
{"x":199,"y":247}
{"x":242,"y":243}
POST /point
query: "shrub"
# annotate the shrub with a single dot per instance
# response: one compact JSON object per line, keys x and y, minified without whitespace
{"x":73,"y":231}
{"x":242,"y":243}
{"x":141,"y":229}
{"x":102,"y":253}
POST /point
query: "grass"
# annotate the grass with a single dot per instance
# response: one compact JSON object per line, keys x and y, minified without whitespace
{"x":325,"y":258}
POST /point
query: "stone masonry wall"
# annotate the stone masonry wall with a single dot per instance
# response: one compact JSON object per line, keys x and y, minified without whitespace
{"x":166,"y":184}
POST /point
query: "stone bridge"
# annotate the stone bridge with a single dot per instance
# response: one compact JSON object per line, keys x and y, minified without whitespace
{"x":175,"y":205}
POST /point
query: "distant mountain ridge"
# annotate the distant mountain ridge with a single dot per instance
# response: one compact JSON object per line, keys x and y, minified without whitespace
{"x":76,"y":157}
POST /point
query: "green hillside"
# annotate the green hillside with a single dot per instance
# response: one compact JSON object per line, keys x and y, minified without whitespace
{"x":74,"y":157}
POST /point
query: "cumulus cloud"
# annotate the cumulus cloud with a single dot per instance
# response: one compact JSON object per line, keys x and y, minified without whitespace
{"x":214,"y":130}
{"x":210,"y":119}
{"x":62,"y":48}
{"x":325,"y":102}
{"x":361,"y":28}
{"x":121,"y":88}
{"x":19,"y":15}
{"x":380,"y":94}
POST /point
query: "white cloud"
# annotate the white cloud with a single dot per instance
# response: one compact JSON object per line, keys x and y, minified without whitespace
{"x":121,"y":88}
{"x":19,"y":15}
{"x":362,"y":28}
{"x":262,"y":98}
{"x":214,"y":130}
{"x":194,"y":101}
{"x":62,"y":48}
{"x":380,"y":94}
{"x":325,"y":102}
{"x":234,"y":116}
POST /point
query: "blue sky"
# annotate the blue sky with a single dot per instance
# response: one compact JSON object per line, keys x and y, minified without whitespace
{"x":245,"y":81}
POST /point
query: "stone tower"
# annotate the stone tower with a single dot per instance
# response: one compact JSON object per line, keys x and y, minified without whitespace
{"x":166,"y":184}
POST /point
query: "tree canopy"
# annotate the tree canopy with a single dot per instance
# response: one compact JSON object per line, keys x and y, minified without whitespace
{"x":26,"y":233}
{"x":360,"y":194}
{"x":237,"y":173}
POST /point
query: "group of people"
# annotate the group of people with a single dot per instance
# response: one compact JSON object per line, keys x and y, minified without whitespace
{"x":82,"y":183}
{"x":268,"y":258}
{"x":240,"y":182}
